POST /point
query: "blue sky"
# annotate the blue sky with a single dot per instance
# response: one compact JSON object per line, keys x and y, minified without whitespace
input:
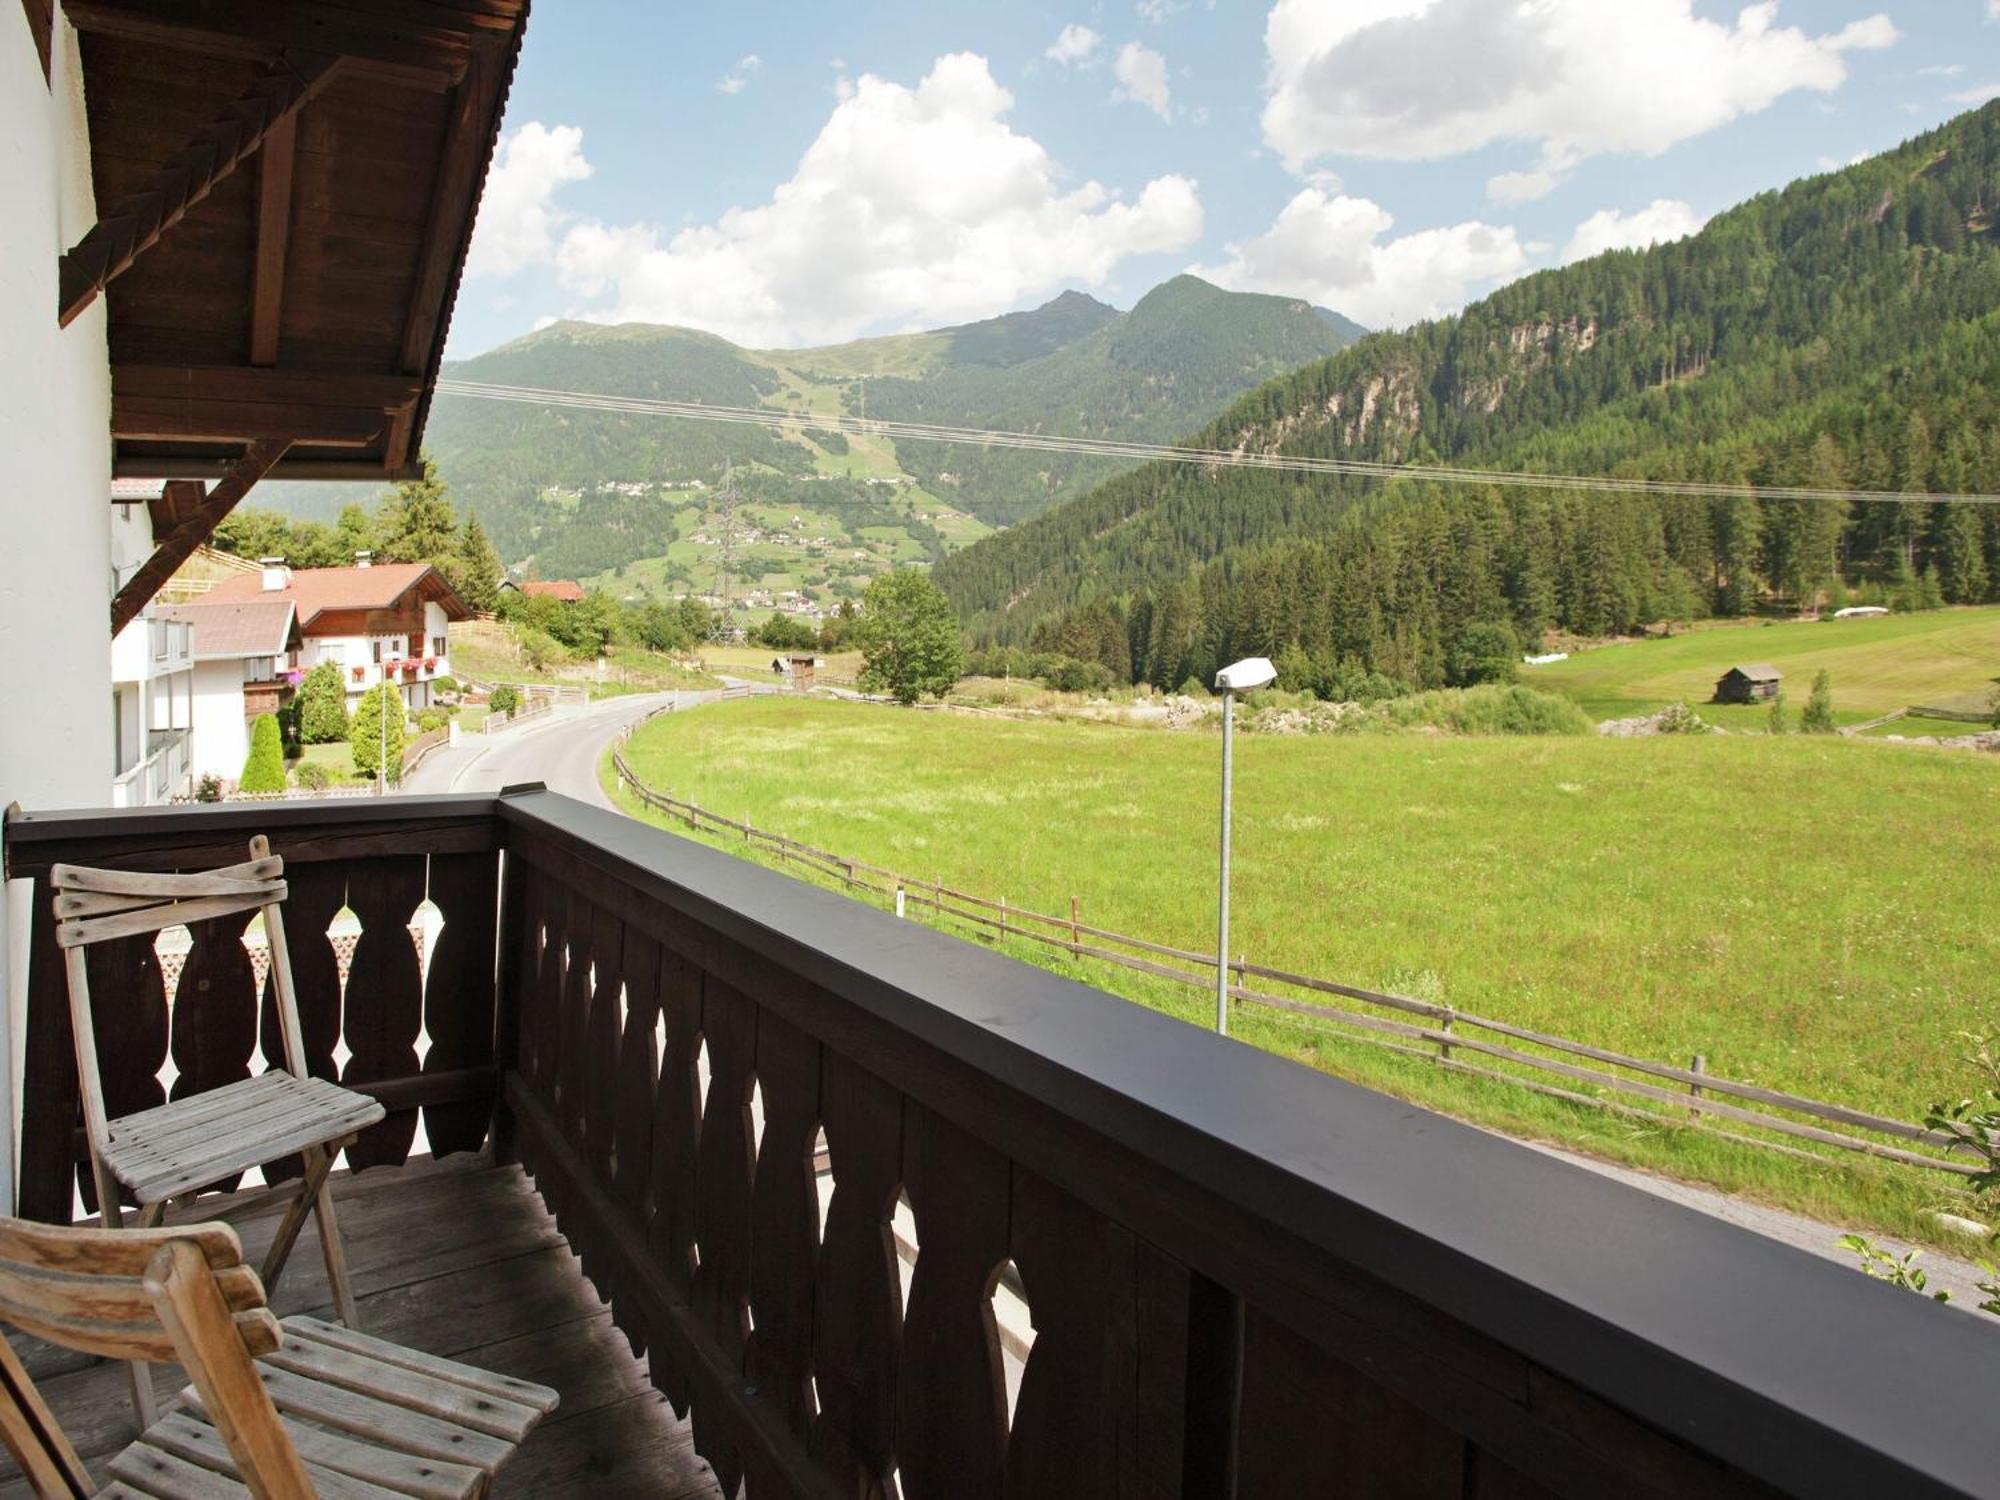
{"x":791,"y":173}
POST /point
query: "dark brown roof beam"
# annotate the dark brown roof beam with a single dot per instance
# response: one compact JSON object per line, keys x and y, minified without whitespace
{"x":240,"y":383}
{"x":180,"y":545}
{"x":156,"y":419}
{"x":382,"y":42}
{"x":274,"y":228}
{"x":136,"y":222}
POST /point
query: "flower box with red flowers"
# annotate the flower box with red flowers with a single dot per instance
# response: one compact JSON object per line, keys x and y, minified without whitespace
{"x":430,"y":663}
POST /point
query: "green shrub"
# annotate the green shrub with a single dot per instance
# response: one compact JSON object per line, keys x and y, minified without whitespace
{"x":445,"y":685}
{"x":1818,"y":717}
{"x":208,"y":790}
{"x":312,"y":775}
{"x":432,"y":719}
{"x":504,"y":700}
{"x":1194,"y":687}
{"x":1779,"y":720}
{"x":322,"y":706}
{"x":1678,"y":718}
{"x":264,"y":770}
{"x":1487,"y":709}
{"x":378,"y":726}
{"x":541,"y":649}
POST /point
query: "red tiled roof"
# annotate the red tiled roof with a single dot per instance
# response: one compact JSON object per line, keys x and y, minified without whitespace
{"x":226,"y":628}
{"x":317,"y":590}
{"x":559,"y":588}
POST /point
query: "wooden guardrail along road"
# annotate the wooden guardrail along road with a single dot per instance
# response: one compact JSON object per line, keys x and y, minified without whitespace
{"x":1699,"y":1099}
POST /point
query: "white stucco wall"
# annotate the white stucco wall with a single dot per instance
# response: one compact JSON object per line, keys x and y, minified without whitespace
{"x":221,"y":738}
{"x":55,"y":417}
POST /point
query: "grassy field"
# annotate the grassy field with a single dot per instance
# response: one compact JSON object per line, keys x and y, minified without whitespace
{"x":754,"y":662}
{"x":1812,"y":915}
{"x":1880,"y":664}
{"x":484,"y":651}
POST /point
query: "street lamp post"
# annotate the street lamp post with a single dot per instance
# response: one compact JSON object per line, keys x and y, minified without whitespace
{"x":1245,"y":676}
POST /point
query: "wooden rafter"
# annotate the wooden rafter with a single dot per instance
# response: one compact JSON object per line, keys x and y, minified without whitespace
{"x":319,"y":408}
{"x":453,"y":203}
{"x":179,"y":499}
{"x":135,"y":223}
{"x":274,"y":227}
{"x":383,"y":41}
{"x":181,"y":543}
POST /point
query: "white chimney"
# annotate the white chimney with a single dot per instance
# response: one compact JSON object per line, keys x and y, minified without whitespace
{"x":276,"y":575}
{"x":364,"y":559}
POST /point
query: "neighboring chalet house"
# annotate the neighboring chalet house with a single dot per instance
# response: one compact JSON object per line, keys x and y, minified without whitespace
{"x":152,"y":713}
{"x":245,"y":654}
{"x":379,"y":622}
{"x":1755,"y":683}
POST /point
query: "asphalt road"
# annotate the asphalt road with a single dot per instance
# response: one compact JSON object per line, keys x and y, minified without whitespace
{"x":561,"y":751}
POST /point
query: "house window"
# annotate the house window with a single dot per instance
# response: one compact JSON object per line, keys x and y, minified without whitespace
{"x":376,"y":647}
{"x":259,"y":669}
{"x":438,"y":645}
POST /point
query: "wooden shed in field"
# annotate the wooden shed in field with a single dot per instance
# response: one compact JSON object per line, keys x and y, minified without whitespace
{"x":1748,"y":684}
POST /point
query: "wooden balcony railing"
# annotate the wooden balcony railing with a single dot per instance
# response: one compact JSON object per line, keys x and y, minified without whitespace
{"x":1245,"y":1278}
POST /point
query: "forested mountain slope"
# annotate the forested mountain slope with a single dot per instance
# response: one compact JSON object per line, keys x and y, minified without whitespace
{"x":1844,"y":331}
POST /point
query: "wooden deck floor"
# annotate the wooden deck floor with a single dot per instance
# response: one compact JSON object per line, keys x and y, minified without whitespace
{"x":460,"y":1258}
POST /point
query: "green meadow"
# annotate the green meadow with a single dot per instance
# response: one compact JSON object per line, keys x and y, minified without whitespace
{"x":1945,"y":657}
{"x":1811,"y":914}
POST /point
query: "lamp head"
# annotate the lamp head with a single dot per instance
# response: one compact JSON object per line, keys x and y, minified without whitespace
{"x":1246,"y":676}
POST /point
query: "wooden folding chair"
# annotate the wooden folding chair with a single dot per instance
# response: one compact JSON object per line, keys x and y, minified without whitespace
{"x":192,"y":1143}
{"x":285,"y":1412}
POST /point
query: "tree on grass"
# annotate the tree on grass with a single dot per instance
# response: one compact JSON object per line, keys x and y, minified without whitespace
{"x":908,"y":634}
{"x":1818,"y":717}
{"x":264,"y":771}
{"x":378,"y":727}
{"x":1779,"y":720}
{"x":475,"y":569}
{"x":322,"y":706}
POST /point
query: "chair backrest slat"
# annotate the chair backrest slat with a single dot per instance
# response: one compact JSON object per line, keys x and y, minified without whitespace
{"x":180,"y":1293}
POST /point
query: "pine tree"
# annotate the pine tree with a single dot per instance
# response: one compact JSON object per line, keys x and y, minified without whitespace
{"x":322,"y":706}
{"x":416,"y":522}
{"x":1818,"y":715}
{"x":1778,"y":720}
{"x":1962,"y":556}
{"x":478,"y":570}
{"x":368,"y":735}
{"x":264,"y":770}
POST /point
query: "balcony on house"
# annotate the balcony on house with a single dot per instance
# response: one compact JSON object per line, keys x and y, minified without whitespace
{"x":152,"y":701}
{"x":879,"y":1211}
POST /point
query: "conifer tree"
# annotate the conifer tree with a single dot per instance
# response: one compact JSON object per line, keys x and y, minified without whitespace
{"x":375,"y":735}
{"x":416,"y":521}
{"x":264,"y":769}
{"x":476,"y":571}
{"x":322,"y":706}
{"x":1818,"y":715}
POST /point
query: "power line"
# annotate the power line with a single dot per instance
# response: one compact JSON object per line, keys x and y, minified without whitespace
{"x":1214,"y":458}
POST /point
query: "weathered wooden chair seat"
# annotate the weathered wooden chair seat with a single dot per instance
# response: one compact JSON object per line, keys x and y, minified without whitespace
{"x":306,"y":1408}
{"x":163,"y":1152}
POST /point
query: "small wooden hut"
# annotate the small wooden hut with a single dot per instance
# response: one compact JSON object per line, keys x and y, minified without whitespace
{"x":1755,"y":683}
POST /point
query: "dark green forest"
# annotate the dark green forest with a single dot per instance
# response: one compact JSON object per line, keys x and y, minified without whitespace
{"x":1841,"y":333}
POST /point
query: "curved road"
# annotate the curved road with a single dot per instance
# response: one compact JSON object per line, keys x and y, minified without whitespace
{"x":561,"y":750}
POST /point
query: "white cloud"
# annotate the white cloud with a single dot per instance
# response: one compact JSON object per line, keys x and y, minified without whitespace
{"x":1413,"y":80}
{"x":1976,"y":96}
{"x":1521,"y":187}
{"x":736,"y":78}
{"x":516,"y":225}
{"x":1943,"y":70}
{"x":913,"y":207}
{"x":1331,"y":248}
{"x":1075,"y":46}
{"x":1610,"y":229}
{"x":1158,"y":11}
{"x":1993,"y":10}
{"x":1142,"y":78}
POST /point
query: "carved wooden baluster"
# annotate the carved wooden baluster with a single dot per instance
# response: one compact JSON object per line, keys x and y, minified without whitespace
{"x":573,"y":1018}
{"x":676,"y":1146}
{"x":601,"y":1034}
{"x":1074,"y":1415}
{"x":458,"y":992}
{"x":726,"y":1161}
{"x":951,"y":1430}
{"x":315,"y":894}
{"x":784,"y":1218}
{"x":384,"y":1009}
{"x":632,"y":1110}
{"x":545,"y":1021}
{"x":51,"y":1113}
{"x":128,"y":1002}
{"x":858,"y":1305}
{"x":215,"y":1010}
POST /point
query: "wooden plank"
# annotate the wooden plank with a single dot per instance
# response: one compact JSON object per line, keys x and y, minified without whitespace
{"x":50,"y":1112}
{"x":858,"y":1305}
{"x":77,"y":932}
{"x":135,"y":223}
{"x":415,"y":1390}
{"x":274,"y":223}
{"x":257,"y":877}
{"x":188,"y":1437}
{"x":384,"y":1422}
{"x":257,"y":460}
{"x":536,"y":1398}
{"x":191,"y":418}
{"x":784,"y":1222}
{"x":235,"y":383}
{"x":318,"y":891}
{"x":384,"y":1001}
{"x":460,"y":167}
{"x":952,"y":1411}
{"x":459,"y":992}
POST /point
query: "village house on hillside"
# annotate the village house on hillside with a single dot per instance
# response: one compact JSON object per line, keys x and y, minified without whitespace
{"x":245,"y":656}
{"x":1748,"y":684}
{"x":378,"y":623}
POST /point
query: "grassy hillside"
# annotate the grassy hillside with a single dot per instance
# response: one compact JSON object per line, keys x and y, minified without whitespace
{"x":1805,"y":912}
{"x":1941,"y":657}
{"x":1838,"y":333}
